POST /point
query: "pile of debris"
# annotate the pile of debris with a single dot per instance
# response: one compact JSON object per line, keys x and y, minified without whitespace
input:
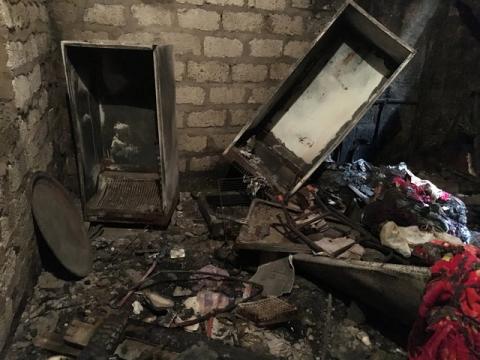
{"x":163,"y":295}
{"x":360,"y":212}
{"x":182,"y":302}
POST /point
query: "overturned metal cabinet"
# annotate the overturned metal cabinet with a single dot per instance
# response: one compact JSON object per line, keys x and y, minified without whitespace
{"x":347,"y":68}
{"x":122,"y":105}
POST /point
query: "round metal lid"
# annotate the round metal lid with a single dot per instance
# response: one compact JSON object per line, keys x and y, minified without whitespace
{"x":61,"y":224}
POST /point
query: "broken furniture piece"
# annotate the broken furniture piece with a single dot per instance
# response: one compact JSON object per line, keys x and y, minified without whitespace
{"x":215,"y":225}
{"x":217,"y":209}
{"x":106,"y":337}
{"x":390,"y":288}
{"x":266,"y":312}
{"x":122,"y":105}
{"x":396,"y":289}
{"x":135,"y":335}
{"x":260,"y":233}
{"x":348,"y":67}
{"x":266,"y":230}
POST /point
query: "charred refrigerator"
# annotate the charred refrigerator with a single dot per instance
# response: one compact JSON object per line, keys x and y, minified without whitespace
{"x":122,"y":106}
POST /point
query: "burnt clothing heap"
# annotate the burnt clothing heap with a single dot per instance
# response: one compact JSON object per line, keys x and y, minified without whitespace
{"x":435,"y":250}
{"x":394,"y":193}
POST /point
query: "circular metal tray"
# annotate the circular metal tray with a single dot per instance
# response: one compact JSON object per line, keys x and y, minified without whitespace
{"x":61,"y":224}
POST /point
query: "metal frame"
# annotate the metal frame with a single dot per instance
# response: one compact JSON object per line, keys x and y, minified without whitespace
{"x":163,"y":72}
{"x":373,"y":31}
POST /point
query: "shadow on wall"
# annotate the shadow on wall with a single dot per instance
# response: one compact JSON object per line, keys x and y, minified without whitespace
{"x":384,"y":133}
{"x":417,"y":28}
{"x":417,"y":19}
{"x":447,"y":121}
{"x":469,"y":18}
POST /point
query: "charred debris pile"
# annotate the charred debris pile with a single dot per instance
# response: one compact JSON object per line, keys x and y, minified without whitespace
{"x":193,"y":291}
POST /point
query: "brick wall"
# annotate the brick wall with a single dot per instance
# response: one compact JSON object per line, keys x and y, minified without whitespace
{"x":230,"y":55}
{"x":29,"y":133}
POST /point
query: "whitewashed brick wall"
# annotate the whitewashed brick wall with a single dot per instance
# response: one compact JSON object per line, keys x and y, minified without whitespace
{"x":230,"y":54}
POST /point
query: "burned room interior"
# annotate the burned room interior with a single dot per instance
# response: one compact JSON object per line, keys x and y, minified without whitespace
{"x":239,"y":179}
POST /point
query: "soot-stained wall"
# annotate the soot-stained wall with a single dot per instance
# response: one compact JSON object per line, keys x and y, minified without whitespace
{"x":33,"y":137}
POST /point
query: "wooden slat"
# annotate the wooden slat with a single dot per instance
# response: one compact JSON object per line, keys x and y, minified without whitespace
{"x":79,"y":333}
{"x":54,"y":343}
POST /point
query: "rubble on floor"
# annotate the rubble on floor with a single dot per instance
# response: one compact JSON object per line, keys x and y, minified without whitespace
{"x":151,"y":282}
{"x":66,"y":315}
{"x":231,"y":283}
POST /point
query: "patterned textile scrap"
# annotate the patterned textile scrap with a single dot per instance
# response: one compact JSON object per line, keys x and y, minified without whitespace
{"x":448,"y":323}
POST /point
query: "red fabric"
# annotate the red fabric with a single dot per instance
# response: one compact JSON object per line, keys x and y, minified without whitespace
{"x":433,"y":251}
{"x":444,"y":196}
{"x":447,"y":342}
{"x":448,"y":323}
{"x":418,"y":192}
{"x":413,"y":191}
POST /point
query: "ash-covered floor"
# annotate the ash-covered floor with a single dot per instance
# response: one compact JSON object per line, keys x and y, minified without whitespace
{"x":326,"y":325}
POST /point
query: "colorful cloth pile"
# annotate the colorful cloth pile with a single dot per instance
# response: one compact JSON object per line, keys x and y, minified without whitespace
{"x":448,"y":324}
{"x":394,"y":193}
{"x":421,"y":190}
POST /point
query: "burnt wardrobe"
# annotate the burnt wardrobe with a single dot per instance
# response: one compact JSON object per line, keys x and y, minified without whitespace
{"x":122,"y":107}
